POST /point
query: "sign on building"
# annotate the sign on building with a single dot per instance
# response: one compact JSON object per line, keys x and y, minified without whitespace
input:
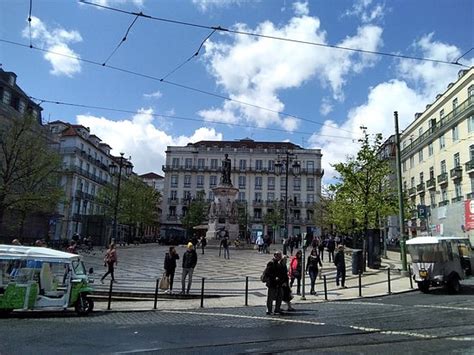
{"x":469,"y":214}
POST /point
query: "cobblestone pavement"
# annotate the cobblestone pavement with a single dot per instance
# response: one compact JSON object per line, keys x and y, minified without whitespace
{"x":139,"y":266}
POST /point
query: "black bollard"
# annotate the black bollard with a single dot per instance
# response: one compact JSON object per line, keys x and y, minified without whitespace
{"x":202,"y":293}
{"x":156,"y":292}
{"x":360,"y":284}
{"x":110,"y":295}
{"x":389,"y":285}
{"x":325,"y":289}
{"x":246,"y":290}
{"x":409,"y":275}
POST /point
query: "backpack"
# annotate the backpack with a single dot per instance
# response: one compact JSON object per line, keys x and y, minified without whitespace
{"x":264,"y":276}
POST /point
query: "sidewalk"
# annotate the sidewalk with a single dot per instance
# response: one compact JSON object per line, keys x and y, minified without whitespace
{"x":140,"y":266}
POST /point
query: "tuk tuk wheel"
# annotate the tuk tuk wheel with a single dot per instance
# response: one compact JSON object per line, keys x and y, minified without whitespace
{"x":453,"y":284}
{"x":84,"y":305}
{"x":424,"y":286}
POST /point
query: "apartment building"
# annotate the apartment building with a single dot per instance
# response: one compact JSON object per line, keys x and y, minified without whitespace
{"x":437,"y":152}
{"x":197,"y":167}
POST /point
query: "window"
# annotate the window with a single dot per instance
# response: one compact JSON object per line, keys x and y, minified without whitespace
{"x":188,"y":163}
{"x":213,"y":181}
{"x":421,"y":178}
{"x":211,"y":195}
{"x":412,"y":162}
{"x":472,"y":185}
{"x":470,"y":91}
{"x":282,"y":196}
{"x":441,"y":114}
{"x":173,"y":195}
{"x":422,"y":199}
{"x":471,"y":152}
{"x":271,"y":165}
{"x":271,"y":183}
{"x":258,"y":165}
{"x":242,"y":164}
{"x":271,"y":196}
{"x":22,"y":106}
{"x":174,"y":180}
{"x":444,"y":194}
{"x":412,"y":181}
{"x":258,"y":183}
{"x":258,"y":196}
{"x":443,"y":166}
{"x":310,"y":184}
{"x":420,"y":156}
{"x":296,"y":198}
{"x":187,"y":195}
{"x":457,"y":161}
{"x":455,"y":103}
{"x":201,"y":163}
{"x":455,"y":133}
{"x":404,"y":166}
{"x":433,"y":197}
{"x":470,"y":124}
{"x":420,"y":131}
{"x":430,"y":149}
{"x":297,"y":184}
{"x":404,"y":145}
{"x":310,"y":166}
{"x":458,"y":189}
{"x":432,"y":124}
{"x":442,"y":144}
{"x":200,"y":181}
{"x":310,"y":198}
{"x":213,"y":163}
{"x":241,"y":196}
{"x":187,"y":180}
{"x":7,"y":97}
{"x":431,"y":173}
{"x":282,"y":183}
{"x":242,"y":182}
{"x":175,"y":163}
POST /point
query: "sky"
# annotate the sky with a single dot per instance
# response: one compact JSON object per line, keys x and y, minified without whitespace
{"x":174,"y":81}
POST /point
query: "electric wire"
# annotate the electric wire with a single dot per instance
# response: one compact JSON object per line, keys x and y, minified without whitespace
{"x":29,"y":21}
{"x":71,"y":104}
{"x":189,"y":88}
{"x":124,"y":38}
{"x":456,"y":61}
{"x":259,"y":35}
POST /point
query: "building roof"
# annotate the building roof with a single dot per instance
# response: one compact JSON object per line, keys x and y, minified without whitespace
{"x":151,"y":175}
{"x":245,"y":142}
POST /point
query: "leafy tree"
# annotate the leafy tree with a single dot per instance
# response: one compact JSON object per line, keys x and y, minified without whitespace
{"x":243,"y":220}
{"x":29,"y":168}
{"x":196,"y":212}
{"x":364,"y":193}
{"x":274,"y":218}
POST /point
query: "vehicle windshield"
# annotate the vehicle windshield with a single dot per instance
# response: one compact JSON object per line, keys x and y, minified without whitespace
{"x":427,"y":253}
{"x":78,"y":267}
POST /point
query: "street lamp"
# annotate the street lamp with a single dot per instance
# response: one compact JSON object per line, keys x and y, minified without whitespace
{"x":114,"y":169}
{"x":283,"y":165}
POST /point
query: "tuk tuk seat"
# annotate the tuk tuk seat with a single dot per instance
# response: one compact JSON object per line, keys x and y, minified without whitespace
{"x":46,"y":282}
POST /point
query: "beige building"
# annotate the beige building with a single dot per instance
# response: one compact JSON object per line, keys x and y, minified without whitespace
{"x":437,"y":152}
{"x":197,"y":167}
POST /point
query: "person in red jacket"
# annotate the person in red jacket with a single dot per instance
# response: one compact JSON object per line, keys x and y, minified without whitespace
{"x":296,"y":271}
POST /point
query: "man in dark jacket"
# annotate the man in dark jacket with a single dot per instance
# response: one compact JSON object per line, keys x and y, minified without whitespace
{"x":170,"y":265}
{"x":189,"y":263}
{"x":331,"y":245}
{"x":274,"y":277}
{"x":340,"y":263}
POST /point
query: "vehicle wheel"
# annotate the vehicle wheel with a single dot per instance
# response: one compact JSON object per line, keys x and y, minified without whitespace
{"x":84,"y":306}
{"x":453,"y":285}
{"x":424,"y":286}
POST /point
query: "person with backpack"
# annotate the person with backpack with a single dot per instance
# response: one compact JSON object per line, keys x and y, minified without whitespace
{"x":170,"y":266}
{"x":312,"y":268}
{"x":274,"y":277}
{"x":296,"y":271}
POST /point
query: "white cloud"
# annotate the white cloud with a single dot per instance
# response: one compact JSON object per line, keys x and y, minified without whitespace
{"x":255,"y":70}
{"x":56,"y":41}
{"x":366,"y":11}
{"x":415,"y":85}
{"x":144,"y":142}
{"x":154,"y":95}
{"x":205,"y":5}
{"x":326,"y":107}
{"x":301,"y":8}
{"x":117,"y":2}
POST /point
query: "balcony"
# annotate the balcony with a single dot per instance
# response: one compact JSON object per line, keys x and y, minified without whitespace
{"x":470,"y":195}
{"x":470,"y":166}
{"x":443,"y":203}
{"x":420,"y":187}
{"x":309,"y":204}
{"x":412,"y":191}
{"x":442,"y":178}
{"x":257,"y":203}
{"x":173,"y":201}
{"x":456,"y":173}
{"x":457,"y":199}
{"x":431,"y":183}
{"x":171,"y":217}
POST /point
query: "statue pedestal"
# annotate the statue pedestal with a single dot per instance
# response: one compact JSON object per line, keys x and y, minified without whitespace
{"x":223,"y":213}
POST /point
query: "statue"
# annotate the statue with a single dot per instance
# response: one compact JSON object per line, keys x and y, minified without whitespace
{"x":225,"y":179}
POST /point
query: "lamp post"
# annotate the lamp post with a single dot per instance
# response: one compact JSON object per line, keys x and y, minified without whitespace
{"x":283,"y":164}
{"x":114,"y":169}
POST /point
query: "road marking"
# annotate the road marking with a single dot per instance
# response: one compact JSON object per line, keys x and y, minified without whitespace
{"x":444,"y":307}
{"x":368,"y":303}
{"x":283,"y":320}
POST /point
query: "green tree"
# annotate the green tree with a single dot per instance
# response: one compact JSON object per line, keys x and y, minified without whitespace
{"x":197,"y":212}
{"x":363,"y":193}
{"x":243,"y":220}
{"x":29,"y":168}
{"x":274,"y":218}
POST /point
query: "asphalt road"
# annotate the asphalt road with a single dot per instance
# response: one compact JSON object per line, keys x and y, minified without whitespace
{"x":411,"y":323}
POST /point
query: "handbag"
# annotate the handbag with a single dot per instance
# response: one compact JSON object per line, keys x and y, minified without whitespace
{"x":164,"y":282}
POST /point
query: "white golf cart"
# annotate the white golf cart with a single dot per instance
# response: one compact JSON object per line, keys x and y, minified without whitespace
{"x":42,"y":278}
{"x":440,"y":261}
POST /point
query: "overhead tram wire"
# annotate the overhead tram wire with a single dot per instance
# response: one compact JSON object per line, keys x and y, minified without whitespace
{"x":29,"y":21}
{"x":63,"y":103}
{"x":124,"y":38}
{"x":259,"y":35}
{"x":190,"y":88}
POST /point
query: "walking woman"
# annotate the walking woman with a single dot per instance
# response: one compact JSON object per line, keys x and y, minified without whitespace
{"x":296,"y":271}
{"x":170,"y":265}
{"x":312,"y":268}
{"x":110,"y":260}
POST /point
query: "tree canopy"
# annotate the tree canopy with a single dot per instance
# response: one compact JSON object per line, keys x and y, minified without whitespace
{"x":196,"y":212}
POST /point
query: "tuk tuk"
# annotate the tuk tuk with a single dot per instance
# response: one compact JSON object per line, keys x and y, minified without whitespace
{"x":34,"y":278}
{"x":440,"y":261}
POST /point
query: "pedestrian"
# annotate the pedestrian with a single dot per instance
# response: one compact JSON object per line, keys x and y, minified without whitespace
{"x":225,"y":245}
{"x":170,"y":266}
{"x":296,"y":271}
{"x":331,"y":246}
{"x":340,"y":263}
{"x":274,"y":277}
{"x":259,"y":243}
{"x":285,"y":245}
{"x":203,"y":243}
{"x":321,"y":243}
{"x":110,"y":260}
{"x":16,"y":242}
{"x":194,"y":240}
{"x":298,"y":241}
{"x":72,"y":248}
{"x":286,"y":290}
{"x":292,"y":243}
{"x":337,"y":240}
{"x":189,"y":263}
{"x":312,"y":269}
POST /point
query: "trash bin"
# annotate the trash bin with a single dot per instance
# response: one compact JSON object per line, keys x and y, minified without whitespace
{"x":356,"y":261}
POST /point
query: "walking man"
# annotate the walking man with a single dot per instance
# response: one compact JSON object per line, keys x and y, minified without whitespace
{"x":170,"y":265}
{"x":225,"y":246}
{"x":203,"y":243}
{"x":340,"y":263}
{"x":189,"y":263}
{"x":331,"y":247}
{"x":274,"y":277}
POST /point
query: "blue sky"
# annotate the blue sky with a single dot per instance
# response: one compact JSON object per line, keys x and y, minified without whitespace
{"x":314,"y":96}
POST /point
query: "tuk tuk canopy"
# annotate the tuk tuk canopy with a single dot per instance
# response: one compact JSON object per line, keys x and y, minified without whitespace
{"x":16,"y":252}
